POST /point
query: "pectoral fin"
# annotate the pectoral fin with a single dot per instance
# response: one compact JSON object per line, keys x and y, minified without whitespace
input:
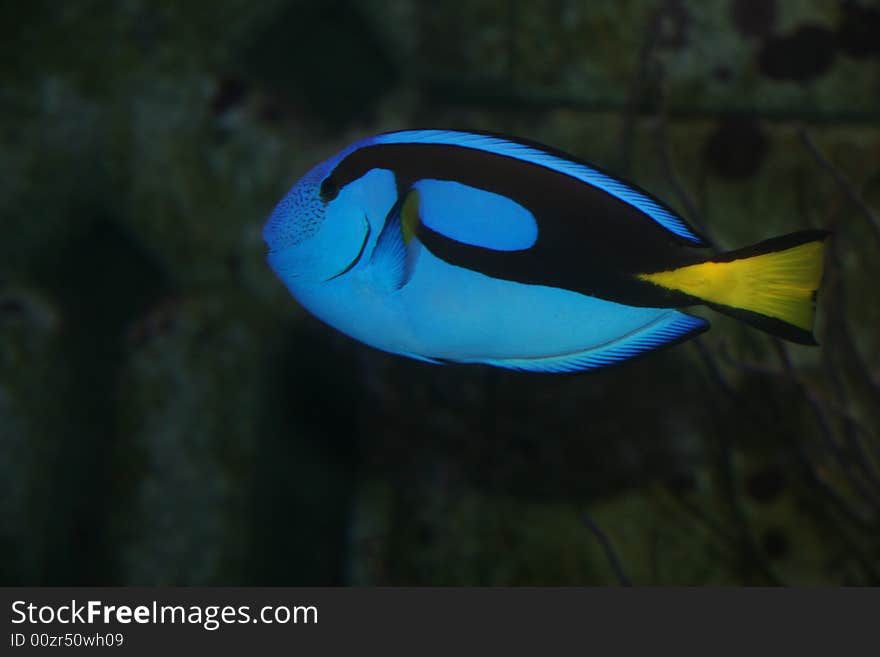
{"x":396,"y":249}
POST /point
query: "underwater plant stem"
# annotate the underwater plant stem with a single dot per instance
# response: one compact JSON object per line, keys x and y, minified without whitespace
{"x":827,"y":430}
{"x":842,"y":180}
{"x":635,"y":97}
{"x":746,"y":535}
{"x":743,"y":538}
{"x":712,"y":366}
{"x":852,"y":428}
{"x":693,"y":214}
{"x":703,"y":517}
{"x":613,"y":559}
{"x":838,"y":327}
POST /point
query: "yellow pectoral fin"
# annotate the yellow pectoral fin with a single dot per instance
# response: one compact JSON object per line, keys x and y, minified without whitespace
{"x":779,"y":284}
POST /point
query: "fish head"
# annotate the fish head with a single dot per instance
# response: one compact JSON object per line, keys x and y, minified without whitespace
{"x":322,"y":227}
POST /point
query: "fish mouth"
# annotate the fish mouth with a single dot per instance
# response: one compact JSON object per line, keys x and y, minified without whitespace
{"x":360,"y":253}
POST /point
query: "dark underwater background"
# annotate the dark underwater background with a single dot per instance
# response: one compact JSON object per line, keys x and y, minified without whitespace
{"x":170,"y":416}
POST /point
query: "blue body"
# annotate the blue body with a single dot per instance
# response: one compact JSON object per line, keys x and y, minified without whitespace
{"x":356,"y":263}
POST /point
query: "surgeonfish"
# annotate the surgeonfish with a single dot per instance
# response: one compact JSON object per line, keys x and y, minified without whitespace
{"x":467,"y":247}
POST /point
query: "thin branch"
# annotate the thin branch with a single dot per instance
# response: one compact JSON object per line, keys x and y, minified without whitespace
{"x":704,"y":518}
{"x":745,"y":537}
{"x":749,"y":367}
{"x":813,"y":477}
{"x":693,"y":214}
{"x":843,"y":181}
{"x":728,"y":482}
{"x":839,"y":329}
{"x":827,"y":431}
{"x":613,"y":559}
{"x":853,"y":430}
{"x":637,"y":88}
{"x":712,"y":366}
{"x":835,"y":499}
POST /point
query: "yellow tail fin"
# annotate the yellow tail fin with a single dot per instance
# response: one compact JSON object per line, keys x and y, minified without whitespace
{"x":765,"y":284}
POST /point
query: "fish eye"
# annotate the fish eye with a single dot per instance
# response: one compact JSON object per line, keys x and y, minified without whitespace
{"x":329,"y":189}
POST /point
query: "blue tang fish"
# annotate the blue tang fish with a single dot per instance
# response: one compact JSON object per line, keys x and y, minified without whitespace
{"x":467,"y":247}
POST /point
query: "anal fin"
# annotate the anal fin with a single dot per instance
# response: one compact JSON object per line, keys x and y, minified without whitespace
{"x":669,"y":329}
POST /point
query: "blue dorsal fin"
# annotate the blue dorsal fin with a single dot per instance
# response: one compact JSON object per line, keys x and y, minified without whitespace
{"x":474,"y":216}
{"x":394,"y":255}
{"x":667,"y":329}
{"x":534,"y":154}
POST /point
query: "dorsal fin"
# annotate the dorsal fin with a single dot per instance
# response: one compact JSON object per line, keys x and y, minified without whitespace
{"x":555,"y":161}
